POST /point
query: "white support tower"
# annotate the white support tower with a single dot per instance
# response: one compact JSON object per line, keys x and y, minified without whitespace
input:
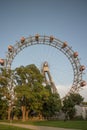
{"x":47,"y":77}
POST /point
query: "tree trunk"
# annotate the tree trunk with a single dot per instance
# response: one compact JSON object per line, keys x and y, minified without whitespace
{"x":40,"y":116}
{"x":9,"y":113}
{"x":23,"y":113}
{"x":27,"y":114}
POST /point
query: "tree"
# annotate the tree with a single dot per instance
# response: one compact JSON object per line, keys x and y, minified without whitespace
{"x":23,"y":90}
{"x":52,"y":105}
{"x":29,"y":88}
{"x":3,"y":107}
{"x":32,"y":95}
{"x":4,"y":91}
{"x":69,"y":104}
{"x":77,"y":98}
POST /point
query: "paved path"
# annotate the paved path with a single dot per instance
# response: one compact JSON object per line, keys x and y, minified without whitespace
{"x":35,"y":127}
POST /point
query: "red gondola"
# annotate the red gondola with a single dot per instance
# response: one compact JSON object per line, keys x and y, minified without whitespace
{"x":37,"y":37}
{"x":10,"y":48}
{"x":82,"y":68}
{"x":2,"y":62}
{"x":22,"y":40}
{"x":83,"y":83}
{"x":51,"y":38}
{"x":64,"y":44}
{"x":75,"y":54}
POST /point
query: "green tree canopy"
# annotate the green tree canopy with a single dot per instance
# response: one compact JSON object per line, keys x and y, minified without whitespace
{"x":23,"y":88}
{"x":4,"y":94}
{"x":69,"y":104}
{"x":31,"y":93}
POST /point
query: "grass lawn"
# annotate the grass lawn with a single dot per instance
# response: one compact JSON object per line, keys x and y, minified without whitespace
{"x":82,"y":125}
{"x":8,"y":127}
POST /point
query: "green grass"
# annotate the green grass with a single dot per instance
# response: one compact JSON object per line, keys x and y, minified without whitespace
{"x":8,"y":127}
{"x":82,"y":125}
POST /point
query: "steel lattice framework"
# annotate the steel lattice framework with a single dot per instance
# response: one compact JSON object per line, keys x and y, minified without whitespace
{"x":56,"y":43}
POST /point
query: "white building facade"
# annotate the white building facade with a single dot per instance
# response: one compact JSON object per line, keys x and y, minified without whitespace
{"x":81,"y":110}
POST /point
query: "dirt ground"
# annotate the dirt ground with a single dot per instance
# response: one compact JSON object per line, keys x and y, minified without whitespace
{"x":35,"y":127}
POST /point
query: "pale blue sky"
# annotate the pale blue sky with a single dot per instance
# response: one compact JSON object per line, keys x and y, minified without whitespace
{"x":64,"y":19}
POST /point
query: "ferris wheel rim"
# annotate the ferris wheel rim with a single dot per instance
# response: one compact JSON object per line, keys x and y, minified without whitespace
{"x":53,"y":42}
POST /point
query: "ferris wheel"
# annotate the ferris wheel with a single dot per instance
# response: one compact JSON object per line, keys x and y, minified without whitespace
{"x":72,"y":56}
